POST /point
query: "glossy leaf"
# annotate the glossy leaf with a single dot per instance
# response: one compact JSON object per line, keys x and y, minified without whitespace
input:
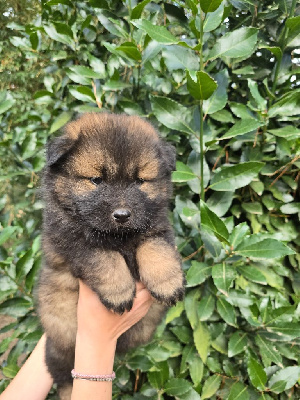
{"x":210,"y":386}
{"x":238,"y":391}
{"x":226,"y":311}
{"x":223,"y":276}
{"x":158,"y":33}
{"x":236,"y":176}
{"x":239,"y":43}
{"x":237,"y":343}
{"x":198,"y":273}
{"x":284,"y":379}
{"x":241,"y":127}
{"x":202,"y":341}
{"x":177,"y":386}
{"x":212,"y":222}
{"x":257,"y":374}
{"x":267,"y":248}
{"x":170,"y":113}
{"x":201,"y":88}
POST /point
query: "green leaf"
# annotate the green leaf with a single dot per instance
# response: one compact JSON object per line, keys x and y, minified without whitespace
{"x":218,"y":99}
{"x":213,"y":19}
{"x":178,"y":57}
{"x":211,"y":243}
{"x":196,"y":368}
{"x":139,"y":362}
{"x":113,"y":25}
{"x":241,"y":127}
{"x":233,"y":177}
{"x":209,"y":5}
{"x":11,"y":370}
{"x":190,"y":302}
{"x":158,"y":378}
{"x":223,"y":276}
{"x":287,"y":132}
{"x":82,"y":93}
{"x":6,"y":233}
{"x":59,"y":37}
{"x":174,"y":312}
{"x":212,"y":222}
{"x":284,"y":379}
{"x":253,"y":274}
{"x":237,"y":343}
{"x":131,"y":50}
{"x":170,"y":113}
{"x":202,"y":341}
{"x":85,"y":72}
{"x":177,"y":386}
{"x":203,"y":87}
{"x":198,"y":273}
{"x":206,"y":307}
{"x":158,"y":33}
{"x":239,"y":43}
{"x":219,"y":202}
{"x":260,"y":101}
{"x":290,"y":330}
{"x":24,"y":265}
{"x":210,"y":386}
{"x":268,"y":351}
{"x":183,"y":173}
{"x":6,"y":105}
{"x":238,"y":234}
{"x":290,"y":208}
{"x":267,"y":248}
{"x":289,"y":104}
{"x":257,"y":374}
{"x":61,"y":120}
{"x":136,"y":12}
{"x":16,"y":307}
{"x":238,"y":391}
{"x":226,"y":311}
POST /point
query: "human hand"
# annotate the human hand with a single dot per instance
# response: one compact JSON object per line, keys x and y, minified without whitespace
{"x":95,"y":320}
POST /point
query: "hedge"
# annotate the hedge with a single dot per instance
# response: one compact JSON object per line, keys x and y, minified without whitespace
{"x":220,"y":81}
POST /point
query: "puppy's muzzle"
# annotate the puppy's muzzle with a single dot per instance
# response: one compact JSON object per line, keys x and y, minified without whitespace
{"x":121,"y":215}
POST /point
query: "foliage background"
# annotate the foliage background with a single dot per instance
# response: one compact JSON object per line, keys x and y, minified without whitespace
{"x":236,"y":334}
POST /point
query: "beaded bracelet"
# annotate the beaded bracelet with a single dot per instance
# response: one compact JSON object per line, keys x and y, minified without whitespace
{"x":98,"y":378}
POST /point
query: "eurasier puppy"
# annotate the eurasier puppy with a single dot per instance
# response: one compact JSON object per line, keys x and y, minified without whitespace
{"x":106,"y":187}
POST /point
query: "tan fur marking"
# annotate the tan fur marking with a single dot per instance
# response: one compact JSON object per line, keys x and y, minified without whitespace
{"x":116,"y":284}
{"x":159,"y":267}
{"x":65,"y":392}
{"x":148,"y":168}
{"x":58,"y":296}
{"x":150,"y":189}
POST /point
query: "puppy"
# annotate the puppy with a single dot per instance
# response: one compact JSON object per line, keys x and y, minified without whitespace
{"x":106,"y":187}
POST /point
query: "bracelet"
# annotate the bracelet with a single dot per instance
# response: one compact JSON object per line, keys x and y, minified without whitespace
{"x":98,"y":378}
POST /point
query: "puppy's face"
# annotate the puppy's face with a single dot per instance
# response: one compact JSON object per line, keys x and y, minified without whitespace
{"x":110,"y":172}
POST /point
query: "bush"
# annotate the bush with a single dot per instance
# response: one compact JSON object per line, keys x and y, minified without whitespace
{"x":220,"y":82}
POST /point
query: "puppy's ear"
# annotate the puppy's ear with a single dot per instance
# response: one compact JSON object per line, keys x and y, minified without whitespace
{"x":57,"y":149}
{"x":169,"y":156}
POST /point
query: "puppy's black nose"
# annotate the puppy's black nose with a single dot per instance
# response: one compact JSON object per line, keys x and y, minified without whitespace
{"x":121,"y":215}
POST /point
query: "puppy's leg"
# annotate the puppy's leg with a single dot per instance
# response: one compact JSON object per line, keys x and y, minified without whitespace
{"x":142,"y":332}
{"x":60,"y":362}
{"x":108,"y":275}
{"x":160,"y":270}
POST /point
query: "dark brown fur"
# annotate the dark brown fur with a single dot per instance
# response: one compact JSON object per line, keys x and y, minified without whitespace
{"x":82,"y":239}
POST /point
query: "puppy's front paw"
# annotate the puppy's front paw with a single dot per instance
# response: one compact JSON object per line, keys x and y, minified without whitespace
{"x":170,"y":291}
{"x":160,"y":271}
{"x":114,"y":285}
{"x":119,"y":301}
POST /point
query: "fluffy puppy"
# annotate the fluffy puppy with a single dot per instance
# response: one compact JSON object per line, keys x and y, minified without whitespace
{"x":106,"y":187}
